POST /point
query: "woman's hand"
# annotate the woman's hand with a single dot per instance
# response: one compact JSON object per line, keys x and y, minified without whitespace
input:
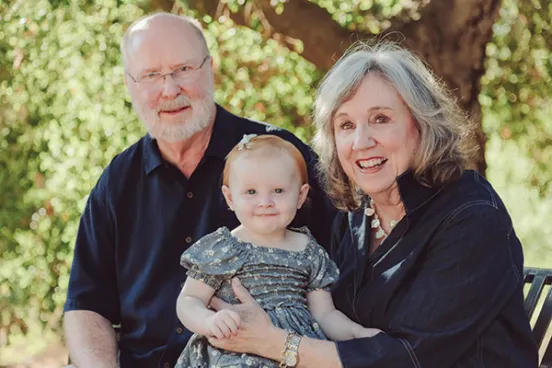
{"x":255,"y":329}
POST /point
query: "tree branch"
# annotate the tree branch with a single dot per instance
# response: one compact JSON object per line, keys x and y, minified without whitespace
{"x":451,"y":36}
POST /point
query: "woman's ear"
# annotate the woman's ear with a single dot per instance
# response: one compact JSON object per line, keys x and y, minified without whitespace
{"x":227,"y":196}
{"x":303,"y":192}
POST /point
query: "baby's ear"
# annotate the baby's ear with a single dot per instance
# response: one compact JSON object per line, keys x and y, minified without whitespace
{"x":303,"y":192}
{"x":227,"y":196}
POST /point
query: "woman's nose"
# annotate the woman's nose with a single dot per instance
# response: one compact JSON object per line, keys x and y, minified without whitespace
{"x":363,"y":138}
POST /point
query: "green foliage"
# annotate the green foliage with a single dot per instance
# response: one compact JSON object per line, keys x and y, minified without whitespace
{"x":63,"y":115}
{"x":65,"y":112}
{"x":262,"y":79}
{"x":517,"y":118}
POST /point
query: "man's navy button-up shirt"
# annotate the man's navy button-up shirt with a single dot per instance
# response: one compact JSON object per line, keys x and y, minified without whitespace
{"x":141,"y":215}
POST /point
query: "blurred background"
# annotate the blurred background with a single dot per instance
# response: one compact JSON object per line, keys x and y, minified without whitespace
{"x":65,"y":112}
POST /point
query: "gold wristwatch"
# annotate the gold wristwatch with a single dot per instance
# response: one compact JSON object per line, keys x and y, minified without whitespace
{"x":290,"y":355}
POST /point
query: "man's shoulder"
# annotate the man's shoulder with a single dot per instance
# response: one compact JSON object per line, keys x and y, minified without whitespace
{"x":124,"y":166}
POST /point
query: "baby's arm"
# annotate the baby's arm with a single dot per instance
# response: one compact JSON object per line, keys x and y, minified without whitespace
{"x":336,"y":325}
{"x":191,"y":309}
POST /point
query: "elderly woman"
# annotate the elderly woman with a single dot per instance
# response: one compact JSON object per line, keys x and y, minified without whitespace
{"x":426,"y":248}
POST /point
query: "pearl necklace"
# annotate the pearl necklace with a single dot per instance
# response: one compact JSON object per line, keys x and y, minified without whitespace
{"x":376,"y":223}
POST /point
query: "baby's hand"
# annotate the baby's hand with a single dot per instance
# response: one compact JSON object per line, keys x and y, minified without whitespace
{"x":223,"y":324}
{"x":361,"y":332}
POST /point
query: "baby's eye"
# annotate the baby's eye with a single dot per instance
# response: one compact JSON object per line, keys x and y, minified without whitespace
{"x":278,"y":190}
{"x":251,"y":191}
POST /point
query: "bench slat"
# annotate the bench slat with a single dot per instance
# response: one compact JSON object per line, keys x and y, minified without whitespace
{"x":547,"y":359}
{"x":543,"y":321}
{"x":537,"y":284}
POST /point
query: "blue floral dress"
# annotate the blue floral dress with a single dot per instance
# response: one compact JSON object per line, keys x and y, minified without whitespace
{"x":278,"y":279}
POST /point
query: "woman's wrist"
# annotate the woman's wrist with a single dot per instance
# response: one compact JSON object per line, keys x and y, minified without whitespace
{"x":272,"y":344}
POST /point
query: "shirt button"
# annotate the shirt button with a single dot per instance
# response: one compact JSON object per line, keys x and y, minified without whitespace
{"x":179,"y":330}
{"x":190,"y":195}
{"x":166,"y":365}
{"x":188,"y":239}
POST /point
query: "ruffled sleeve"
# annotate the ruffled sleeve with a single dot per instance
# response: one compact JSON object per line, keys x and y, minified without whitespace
{"x":324,"y":271}
{"x":214,"y":258}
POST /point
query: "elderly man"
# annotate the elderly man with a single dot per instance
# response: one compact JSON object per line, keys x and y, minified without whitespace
{"x":155,"y":199}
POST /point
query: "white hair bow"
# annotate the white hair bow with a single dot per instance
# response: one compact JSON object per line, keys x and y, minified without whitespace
{"x":245,"y":141}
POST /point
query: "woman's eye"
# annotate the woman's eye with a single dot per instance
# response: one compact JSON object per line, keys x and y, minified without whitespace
{"x":251,"y":191}
{"x":381,"y":119}
{"x":346,"y":125}
{"x":278,"y":190}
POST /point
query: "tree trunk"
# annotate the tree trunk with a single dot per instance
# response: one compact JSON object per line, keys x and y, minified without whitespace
{"x":451,"y":35}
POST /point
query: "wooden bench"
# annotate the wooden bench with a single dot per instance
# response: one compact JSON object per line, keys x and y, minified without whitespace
{"x":537,"y":280}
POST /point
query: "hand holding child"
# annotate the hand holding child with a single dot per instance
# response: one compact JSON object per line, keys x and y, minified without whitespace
{"x":223,"y":324}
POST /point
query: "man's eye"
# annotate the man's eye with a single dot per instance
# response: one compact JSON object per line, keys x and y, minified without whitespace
{"x":278,"y":190}
{"x":183,"y":71}
{"x":149,"y":76}
{"x":251,"y":191}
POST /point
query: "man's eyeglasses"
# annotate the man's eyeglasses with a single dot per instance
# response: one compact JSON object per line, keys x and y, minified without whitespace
{"x":182,"y":74}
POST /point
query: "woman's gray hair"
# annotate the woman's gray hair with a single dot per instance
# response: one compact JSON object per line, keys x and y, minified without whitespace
{"x":445,"y":145}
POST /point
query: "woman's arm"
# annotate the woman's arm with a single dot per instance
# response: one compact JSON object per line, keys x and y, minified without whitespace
{"x":256,"y":323}
{"x":464,"y":280}
{"x":312,"y":352}
{"x":463,"y":283}
{"x":336,"y":325}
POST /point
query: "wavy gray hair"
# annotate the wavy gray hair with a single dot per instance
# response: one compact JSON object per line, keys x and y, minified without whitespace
{"x":445,"y":146}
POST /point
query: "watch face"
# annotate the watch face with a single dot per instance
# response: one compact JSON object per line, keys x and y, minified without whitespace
{"x":291,"y":360}
{"x":295,"y":340}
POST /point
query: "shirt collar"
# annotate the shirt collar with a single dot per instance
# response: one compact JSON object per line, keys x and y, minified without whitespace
{"x":223,"y":139}
{"x":226,"y":133}
{"x":152,"y":156}
{"x":413,"y":193}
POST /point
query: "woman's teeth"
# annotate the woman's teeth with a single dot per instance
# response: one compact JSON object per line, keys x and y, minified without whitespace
{"x":367,"y":164}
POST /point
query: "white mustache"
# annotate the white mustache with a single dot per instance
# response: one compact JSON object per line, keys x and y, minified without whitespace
{"x":178,"y":103}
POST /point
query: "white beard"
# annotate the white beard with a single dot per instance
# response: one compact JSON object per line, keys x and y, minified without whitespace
{"x":202,"y":115}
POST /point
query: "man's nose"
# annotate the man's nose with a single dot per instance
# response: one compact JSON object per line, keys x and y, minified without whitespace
{"x":171,"y":89}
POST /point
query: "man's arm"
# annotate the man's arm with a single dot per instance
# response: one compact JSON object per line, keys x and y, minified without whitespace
{"x":92,"y":305}
{"x":90,"y":339}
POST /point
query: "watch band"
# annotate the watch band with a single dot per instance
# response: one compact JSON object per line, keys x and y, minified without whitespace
{"x":290,"y":355}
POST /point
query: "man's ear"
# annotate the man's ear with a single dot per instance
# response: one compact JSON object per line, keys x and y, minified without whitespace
{"x":227,"y":196}
{"x":303,"y":192}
